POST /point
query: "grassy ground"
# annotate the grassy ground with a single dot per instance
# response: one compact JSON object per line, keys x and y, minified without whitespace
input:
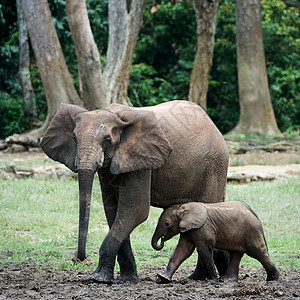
{"x":39,"y":223}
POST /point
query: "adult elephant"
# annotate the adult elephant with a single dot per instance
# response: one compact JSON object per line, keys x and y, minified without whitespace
{"x":167,"y":154}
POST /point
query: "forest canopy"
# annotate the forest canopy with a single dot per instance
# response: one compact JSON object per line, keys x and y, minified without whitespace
{"x":163,"y":60}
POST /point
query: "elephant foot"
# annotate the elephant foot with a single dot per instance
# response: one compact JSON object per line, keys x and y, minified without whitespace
{"x":76,"y":259}
{"x":198,"y":275}
{"x":164,"y":277}
{"x":275,"y":275}
{"x":193,"y":277}
{"x":127,"y":279}
{"x":101,"y":276}
{"x":229,"y":278}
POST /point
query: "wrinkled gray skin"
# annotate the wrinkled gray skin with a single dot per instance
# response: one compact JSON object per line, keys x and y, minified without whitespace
{"x":230,"y":225}
{"x":162,"y":155}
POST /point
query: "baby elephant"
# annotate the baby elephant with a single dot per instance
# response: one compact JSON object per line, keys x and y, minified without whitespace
{"x":231,"y":226}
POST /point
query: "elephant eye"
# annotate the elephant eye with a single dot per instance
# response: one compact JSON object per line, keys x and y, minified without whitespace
{"x":74,"y":138}
{"x":106,"y":141}
{"x":167,"y":223}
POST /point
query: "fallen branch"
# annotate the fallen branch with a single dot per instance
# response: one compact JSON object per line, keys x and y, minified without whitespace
{"x":23,"y":139}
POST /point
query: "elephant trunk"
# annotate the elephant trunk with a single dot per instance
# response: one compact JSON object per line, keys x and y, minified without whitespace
{"x":155,"y":240}
{"x":85,"y":178}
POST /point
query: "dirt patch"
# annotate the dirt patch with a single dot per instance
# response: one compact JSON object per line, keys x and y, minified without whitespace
{"x":26,"y":282}
{"x":35,"y":154}
{"x":265,"y":158}
{"x":250,"y":169}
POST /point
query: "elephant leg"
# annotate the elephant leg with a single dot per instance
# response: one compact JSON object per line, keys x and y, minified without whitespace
{"x":205,"y":253}
{"x":133,"y":209}
{"x":125,"y":258}
{"x":128,"y":271}
{"x":199,"y":272}
{"x":264,"y":258}
{"x":272,"y":271}
{"x":183,"y":250}
{"x":233,"y":268}
{"x":110,"y":200}
{"x":221,"y":259}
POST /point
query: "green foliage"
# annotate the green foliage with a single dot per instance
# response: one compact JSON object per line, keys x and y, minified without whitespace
{"x":10,"y":88}
{"x":146,"y":88}
{"x":166,"y":43}
{"x":9,"y":49}
{"x":12,"y":115}
{"x":98,"y":16}
{"x":164,"y":58}
{"x":281,"y":39}
{"x":222,"y":98}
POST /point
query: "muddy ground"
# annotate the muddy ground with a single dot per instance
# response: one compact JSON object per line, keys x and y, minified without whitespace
{"x":26,"y":281}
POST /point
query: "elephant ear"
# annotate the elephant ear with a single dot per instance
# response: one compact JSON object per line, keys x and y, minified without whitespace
{"x":143,"y":145}
{"x":191,"y":215}
{"x":57,"y":141}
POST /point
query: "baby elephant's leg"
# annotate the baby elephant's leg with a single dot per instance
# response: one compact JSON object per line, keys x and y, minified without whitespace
{"x":264,"y":259}
{"x":199,"y":272}
{"x":205,"y":253}
{"x":221,"y":260}
{"x":183,"y":250}
{"x":272,"y":271}
{"x":233,"y":268}
{"x":259,"y":251}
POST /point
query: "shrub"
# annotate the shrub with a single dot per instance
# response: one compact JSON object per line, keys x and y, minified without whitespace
{"x":12,"y":115}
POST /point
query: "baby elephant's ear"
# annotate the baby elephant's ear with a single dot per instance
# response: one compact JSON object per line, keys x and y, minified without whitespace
{"x":191,"y":215}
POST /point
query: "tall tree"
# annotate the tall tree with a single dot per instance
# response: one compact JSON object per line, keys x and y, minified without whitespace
{"x":91,"y":84}
{"x":125,"y":19}
{"x":57,"y":81}
{"x":206,"y":16}
{"x":29,"y":103}
{"x":256,"y":111}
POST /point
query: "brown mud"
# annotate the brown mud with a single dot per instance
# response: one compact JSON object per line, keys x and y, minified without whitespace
{"x":27,"y":282}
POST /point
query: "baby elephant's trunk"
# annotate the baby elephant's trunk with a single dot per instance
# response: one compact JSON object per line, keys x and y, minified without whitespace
{"x":155,"y":240}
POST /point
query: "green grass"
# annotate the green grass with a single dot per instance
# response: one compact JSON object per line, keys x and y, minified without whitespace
{"x":39,"y":223}
{"x":30,"y":163}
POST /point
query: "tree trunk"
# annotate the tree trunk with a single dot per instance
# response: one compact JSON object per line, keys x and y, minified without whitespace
{"x":256,"y":111}
{"x":206,"y":17}
{"x":92,"y":87}
{"x":57,"y":81}
{"x":29,"y":104}
{"x":125,"y":18}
